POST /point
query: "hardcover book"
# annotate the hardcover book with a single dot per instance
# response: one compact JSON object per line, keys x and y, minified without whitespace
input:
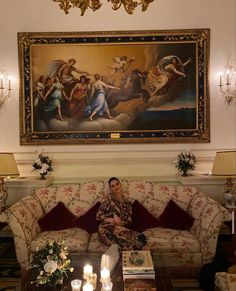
{"x":137,"y":260}
{"x":140,"y":285}
{"x":138,"y":276}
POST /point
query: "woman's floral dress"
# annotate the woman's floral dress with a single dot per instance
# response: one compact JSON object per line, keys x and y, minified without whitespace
{"x":121,"y":235}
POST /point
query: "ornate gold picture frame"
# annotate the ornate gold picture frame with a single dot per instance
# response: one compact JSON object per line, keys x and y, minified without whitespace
{"x":114,"y":87}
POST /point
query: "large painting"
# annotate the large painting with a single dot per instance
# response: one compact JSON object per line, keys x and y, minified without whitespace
{"x":114,"y":87}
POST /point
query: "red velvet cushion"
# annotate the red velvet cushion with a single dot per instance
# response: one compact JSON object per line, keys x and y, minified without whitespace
{"x":175,"y":217}
{"x":88,"y":221}
{"x":57,"y":218}
{"x":142,"y":219}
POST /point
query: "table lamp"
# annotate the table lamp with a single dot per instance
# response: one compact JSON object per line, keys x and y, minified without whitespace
{"x":225,"y":166}
{"x":8,"y":168}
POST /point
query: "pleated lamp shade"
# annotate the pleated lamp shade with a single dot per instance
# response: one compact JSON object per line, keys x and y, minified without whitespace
{"x":224,"y":164}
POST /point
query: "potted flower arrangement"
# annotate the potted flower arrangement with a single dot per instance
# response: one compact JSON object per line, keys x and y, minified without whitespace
{"x":185,"y":161}
{"x":50,"y":264}
{"x":42,"y":164}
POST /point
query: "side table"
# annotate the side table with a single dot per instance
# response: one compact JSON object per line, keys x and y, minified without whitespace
{"x":2,"y":225}
{"x":232,"y":210}
{"x":233,"y":235}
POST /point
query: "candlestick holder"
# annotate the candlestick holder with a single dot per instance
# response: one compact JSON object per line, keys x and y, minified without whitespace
{"x":76,"y":285}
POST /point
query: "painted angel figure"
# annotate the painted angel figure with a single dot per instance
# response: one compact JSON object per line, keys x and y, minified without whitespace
{"x":121,"y":64}
{"x":64,"y":70}
{"x":168,"y":70}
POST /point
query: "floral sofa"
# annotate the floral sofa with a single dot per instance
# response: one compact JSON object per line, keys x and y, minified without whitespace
{"x":193,"y":247}
{"x":225,"y":281}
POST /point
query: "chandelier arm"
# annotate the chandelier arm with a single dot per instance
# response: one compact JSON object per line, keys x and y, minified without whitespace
{"x":83,"y":5}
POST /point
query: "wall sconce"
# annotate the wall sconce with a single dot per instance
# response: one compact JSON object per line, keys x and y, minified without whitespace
{"x":5,"y":87}
{"x":228,"y":84}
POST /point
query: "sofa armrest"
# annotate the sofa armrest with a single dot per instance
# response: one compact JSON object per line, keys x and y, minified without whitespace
{"x":209,"y":216}
{"x":22,"y":218}
{"x":225,"y":281}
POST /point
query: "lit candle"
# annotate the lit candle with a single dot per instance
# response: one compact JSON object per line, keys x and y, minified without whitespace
{"x":105,"y":275}
{"x":221,"y":78}
{"x":88,"y":287}
{"x":227,"y":77}
{"x":76,"y":285}
{"x":88,"y":270}
{"x":107,"y":286}
{"x":105,"y":262}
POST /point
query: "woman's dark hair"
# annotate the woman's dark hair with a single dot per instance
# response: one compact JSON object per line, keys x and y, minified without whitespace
{"x":112,"y":179}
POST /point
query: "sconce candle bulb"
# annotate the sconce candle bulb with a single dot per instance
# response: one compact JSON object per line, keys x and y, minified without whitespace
{"x":1,"y":78}
{"x":9,"y":82}
{"x":221,"y":74}
{"x":227,"y":78}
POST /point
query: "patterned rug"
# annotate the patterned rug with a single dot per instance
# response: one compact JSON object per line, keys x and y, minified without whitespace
{"x":9,"y":268}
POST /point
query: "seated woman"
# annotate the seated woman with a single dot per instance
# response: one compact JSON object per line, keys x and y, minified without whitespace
{"x":115,"y":216}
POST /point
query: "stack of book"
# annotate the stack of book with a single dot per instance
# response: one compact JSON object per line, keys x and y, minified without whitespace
{"x":137,"y":265}
{"x":140,"y":284}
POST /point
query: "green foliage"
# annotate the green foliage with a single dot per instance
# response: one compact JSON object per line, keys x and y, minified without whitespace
{"x":50,"y":264}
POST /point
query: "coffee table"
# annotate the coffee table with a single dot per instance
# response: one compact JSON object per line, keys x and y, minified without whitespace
{"x":163,"y":279}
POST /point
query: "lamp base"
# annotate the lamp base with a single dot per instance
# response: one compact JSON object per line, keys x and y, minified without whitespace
{"x":3,"y":198}
{"x":3,"y":195}
{"x":230,"y":200}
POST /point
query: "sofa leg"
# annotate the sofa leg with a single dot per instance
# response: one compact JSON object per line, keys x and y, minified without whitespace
{"x":23,"y":272}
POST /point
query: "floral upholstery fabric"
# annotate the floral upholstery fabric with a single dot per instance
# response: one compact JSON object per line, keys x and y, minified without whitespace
{"x":209,"y":216}
{"x":95,"y":245}
{"x":74,"y":238}
{"x":179,"y":247}
{"x":195,"y":247}
{"x":22,"y":218}
{"x":163,"y":240}
{"x":225,"y":281}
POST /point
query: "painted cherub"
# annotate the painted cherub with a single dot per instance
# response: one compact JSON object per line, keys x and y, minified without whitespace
{"x":121,"y":64}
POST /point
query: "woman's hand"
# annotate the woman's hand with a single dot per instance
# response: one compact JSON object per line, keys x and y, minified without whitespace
{"x":117,"y":220}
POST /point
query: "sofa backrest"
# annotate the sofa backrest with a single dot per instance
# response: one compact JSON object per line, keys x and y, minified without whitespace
{"x":80,"y":197}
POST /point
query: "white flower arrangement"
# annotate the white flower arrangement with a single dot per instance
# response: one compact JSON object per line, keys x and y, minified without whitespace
{"x":185,"y":161}
{"x":50,"y":264}
{"x":42,"y":164}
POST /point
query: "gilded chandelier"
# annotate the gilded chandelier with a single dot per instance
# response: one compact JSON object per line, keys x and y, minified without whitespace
{"x":83,"y":5}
